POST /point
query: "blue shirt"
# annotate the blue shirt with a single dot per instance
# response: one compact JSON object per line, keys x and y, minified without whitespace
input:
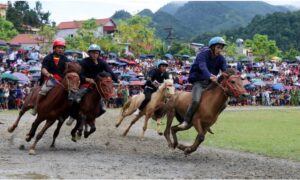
{"x":205,"y":65}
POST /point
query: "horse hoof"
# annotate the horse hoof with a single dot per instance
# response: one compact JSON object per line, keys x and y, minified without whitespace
{"x":32,"y":152}
{"x":160,"y":133}
{"x":74,"y":139}
{"x":78,"y":137}
{"x":187,"y":151}
{"x":28,"y":138}
{"x":11,"y":129}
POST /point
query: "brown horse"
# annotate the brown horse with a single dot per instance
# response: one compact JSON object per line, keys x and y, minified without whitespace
{"x":212,"y":103}
{"x":90,"y":104}
{"x":164,"y":91}
{"x":55,"y":105}
{"x":31,"y":98}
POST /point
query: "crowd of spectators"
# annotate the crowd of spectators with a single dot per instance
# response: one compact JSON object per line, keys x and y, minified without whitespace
{"x":268,"y":83}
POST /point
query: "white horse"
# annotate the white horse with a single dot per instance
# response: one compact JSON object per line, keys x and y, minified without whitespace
{"x":165,"y":90}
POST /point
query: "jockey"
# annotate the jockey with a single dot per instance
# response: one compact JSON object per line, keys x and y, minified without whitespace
{"x":204,"y":70}
{"x":53,"y":67}
{"x":156,"y":76}
{"x":91,"y":67}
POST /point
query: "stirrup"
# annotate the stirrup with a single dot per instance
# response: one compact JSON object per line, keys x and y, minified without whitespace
{"x":183,"y":125}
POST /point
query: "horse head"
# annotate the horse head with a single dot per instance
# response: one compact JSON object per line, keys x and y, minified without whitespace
{"x":232,"y":83}
{"x":168,"y":87}
{"x":104,"y":85}
{"x":72,"y":67}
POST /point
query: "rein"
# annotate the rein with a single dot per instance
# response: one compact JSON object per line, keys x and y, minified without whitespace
{"x":226,"y":84}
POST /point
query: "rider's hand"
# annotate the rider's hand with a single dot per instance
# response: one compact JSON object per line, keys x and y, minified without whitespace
{"x":213,"y":78}
{"x":155,"y":83}
{"x":50,"y":75}
{"x":89,"y":80}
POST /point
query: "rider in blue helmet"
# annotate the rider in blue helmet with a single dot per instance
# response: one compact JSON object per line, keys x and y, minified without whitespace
{"x":204,"y":70}
{"x":155,"y":77}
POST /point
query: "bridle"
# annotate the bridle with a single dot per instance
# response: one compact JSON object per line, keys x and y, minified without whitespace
{"x":226,"y":84}
{"x":105,"y":92}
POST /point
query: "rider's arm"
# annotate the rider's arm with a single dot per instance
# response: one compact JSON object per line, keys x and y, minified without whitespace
{"x":201,"y":58}
{"x":223,"y":64}
{"x":108,"y":69}
{"x":45,"y":66}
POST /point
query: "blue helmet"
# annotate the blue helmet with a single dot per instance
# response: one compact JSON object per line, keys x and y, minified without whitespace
{"x":94,"y":47}
{"x":162,"y":62}
{"x":216,"y":40}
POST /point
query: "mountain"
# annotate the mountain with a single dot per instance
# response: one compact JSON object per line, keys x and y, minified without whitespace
{"x":206,"y":16}
{"x":146,"y":12}
{"x":172,"y":7}
{"x":121,"y":14}
{"x":191,"y":18}
{"x":281,"y":27}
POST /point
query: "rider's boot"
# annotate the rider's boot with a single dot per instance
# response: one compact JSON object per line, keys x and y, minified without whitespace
{"x":189,"y":115}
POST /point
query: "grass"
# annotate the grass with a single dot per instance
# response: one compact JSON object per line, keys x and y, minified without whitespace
{"x":274,"y":133}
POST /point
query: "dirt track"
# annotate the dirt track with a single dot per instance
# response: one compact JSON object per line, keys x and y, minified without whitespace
{"x":106,"y":154}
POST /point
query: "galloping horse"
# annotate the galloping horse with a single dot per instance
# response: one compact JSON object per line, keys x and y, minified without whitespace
{"x":212,"y":103}
{"x":165,"y":90}
{"x":55,"y":105}
{"x":31,"y":98}
{"x":90,"y":104}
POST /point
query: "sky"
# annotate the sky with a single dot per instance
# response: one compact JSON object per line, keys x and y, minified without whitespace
{"x":69,"y":10}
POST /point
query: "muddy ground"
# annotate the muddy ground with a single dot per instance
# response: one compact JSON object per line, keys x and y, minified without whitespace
{"x":107,"y":154}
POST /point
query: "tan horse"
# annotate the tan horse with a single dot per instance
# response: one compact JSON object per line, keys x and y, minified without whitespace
{"x":212,"y":103}
{"x":164,"y":91}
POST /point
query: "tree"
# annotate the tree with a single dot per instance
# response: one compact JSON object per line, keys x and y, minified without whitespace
{"x":180,"y":48}
{"x":23,"y":17}
{"x":262,"y":47}
{"x":137,"y":32}
{"x":230,"y":50}
{"x":291,"y":54}
{"x":7,"y":30}
{"x":47,"y":33}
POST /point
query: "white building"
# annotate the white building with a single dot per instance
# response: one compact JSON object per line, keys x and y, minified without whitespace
{"x":66,"y":29}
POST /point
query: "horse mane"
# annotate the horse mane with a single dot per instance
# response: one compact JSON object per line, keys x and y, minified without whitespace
{"x":72,"y":67}
{"x":165,"y":81}
{"x":229,"y":71}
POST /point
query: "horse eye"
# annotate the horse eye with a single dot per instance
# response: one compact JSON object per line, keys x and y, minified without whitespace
{"x":232,"y":82}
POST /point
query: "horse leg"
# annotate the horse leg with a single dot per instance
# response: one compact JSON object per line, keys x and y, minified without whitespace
{"x":39,"y":136}
{"x":33,"y":129}
{"x":56,"y":132}
{"x":74,"y":130}
{"x":174,"y":130}
{"x":147,"y":117}
{"x":80,"y":128}
{"x":170,"y":117}
{"x":93,"y":129}
{"x":132,"y":122}
{"x":21,"y":113}
{"x":199,"y":138}
{"x":158,"y":123}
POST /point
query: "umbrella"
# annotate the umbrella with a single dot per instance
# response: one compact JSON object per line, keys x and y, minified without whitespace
{"x":9,"y":76}
{"x":21,"y":77}
{"x":143,"y":56}
{"x":112,"y":54}
{"x":259,"y":83}
{"x":129,"y":53}
{"x":31,"y":61}
{"x":3,"y":43}
{"x":177,"y":86}
{"x":268,"y":75}
{"x":134,"y":79}
{"x":250,"y":86}
{"x":126,"y":76}
{"x":125,"y":83}
{"x":121,"y":64}
{"x":132,"y":73}
{"x":136,"y":83}
{"x":169,"y":56}
{"x":186,"y":56}
{"x":150,"y":56}
{"x":251,"y":75}
{"x":34,"y":69}
{"x":111,"y":61}
{"x":278,"y":87}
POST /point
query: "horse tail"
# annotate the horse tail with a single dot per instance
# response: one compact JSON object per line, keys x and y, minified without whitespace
{"x":126,"y":105}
